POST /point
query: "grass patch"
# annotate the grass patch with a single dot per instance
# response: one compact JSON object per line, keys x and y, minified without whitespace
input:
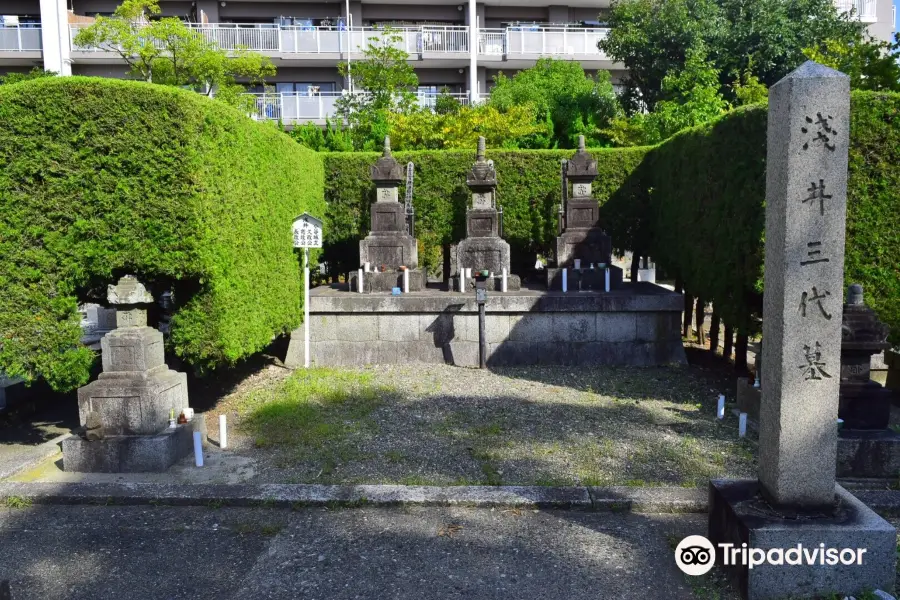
{"x":16,"y":502}
{"x":315,"y":413}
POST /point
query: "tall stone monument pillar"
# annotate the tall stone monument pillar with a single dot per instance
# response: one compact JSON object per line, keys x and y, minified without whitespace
{"x":796,"y":499}
{"x":583,"y":248}
{"x":127,"y":411}
{"x":484,"y":249}
{"x":389,"y":244}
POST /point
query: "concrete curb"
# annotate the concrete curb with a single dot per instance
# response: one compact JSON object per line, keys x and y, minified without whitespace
{"x":292,"y":495}
{"x":611,"y":499}
{"x":31,"y":457}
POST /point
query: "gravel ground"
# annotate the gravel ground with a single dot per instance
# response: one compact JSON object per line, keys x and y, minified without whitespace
{"x":443,"y":425}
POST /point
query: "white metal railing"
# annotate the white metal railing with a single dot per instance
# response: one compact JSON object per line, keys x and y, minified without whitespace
{"x":864,"y":10}
{"x":554,"y":41}
{"x":520,"y":41}
{"x":300,"y":107}
{"x":20,"y":38}
{"x":492,"y":41}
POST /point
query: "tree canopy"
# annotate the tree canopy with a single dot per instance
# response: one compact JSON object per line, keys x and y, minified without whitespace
{"x":169,"y":52}
{"x":766,"y":38}
{"x":576,"y":103}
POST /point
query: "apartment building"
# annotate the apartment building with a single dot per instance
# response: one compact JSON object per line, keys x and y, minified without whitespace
{"x":459,"y":45}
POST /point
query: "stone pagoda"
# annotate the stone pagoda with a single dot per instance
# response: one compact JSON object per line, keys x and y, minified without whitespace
{"x":389,"y":245}
{"x":127,"y":412}
{"x":863,"y":404}
{"x":582,"y":247}
{"x":484,"y":249}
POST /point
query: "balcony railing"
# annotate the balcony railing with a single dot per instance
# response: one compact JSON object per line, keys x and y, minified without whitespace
{"x":519,"y":42}
{"x":20,"y":38}
{"x":554,"y":41}
{"x":298,"y":107}
{"x":864,"y":10}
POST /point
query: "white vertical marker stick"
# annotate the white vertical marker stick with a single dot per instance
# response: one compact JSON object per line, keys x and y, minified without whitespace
{"x":720,"y":411}
{"x":742,"y":425}
{"x":503,"y":282}
{"x":198,"y":449}
{"x":359,"y":282}
{"x":223,"y":432}
{"x":565,"y":280}
{"x":405,"y":281}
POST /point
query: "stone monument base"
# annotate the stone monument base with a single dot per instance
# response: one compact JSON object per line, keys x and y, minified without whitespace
{"x":867,"y":453}
{"x":136,"y":405}
{"x":638,"y":325}
{"x":128,"y":453}
{"x":386,"y":281}
{"x":585,"y":279}
{"x":736,"y":517}
{"x":493,"y":284}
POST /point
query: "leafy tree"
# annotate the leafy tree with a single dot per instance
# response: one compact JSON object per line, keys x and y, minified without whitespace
{"x":748,"y":89}
{"x":427,"y":130}
{"x":575,"y":103}
{"x":446,"y":104}
{"x":35,"y":73}
{"x":652,"y":38}
{"x":692,"y":97}
{"x":767,"y":37}
{"x":871,"y":64}
{"x":384,"y":82}
{"x":168,"y":52}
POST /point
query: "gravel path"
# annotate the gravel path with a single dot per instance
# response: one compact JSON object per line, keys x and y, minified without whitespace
{"x":443,"y":425}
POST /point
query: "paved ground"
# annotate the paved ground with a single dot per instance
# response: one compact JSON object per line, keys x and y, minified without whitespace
{"x":416,"y":553}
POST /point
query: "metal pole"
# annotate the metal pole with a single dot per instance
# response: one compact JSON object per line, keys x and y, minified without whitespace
{"x":347,"y":25}
{"x":473,"y":53}
{"x":482,"y":338}
{"x":306,"y":306}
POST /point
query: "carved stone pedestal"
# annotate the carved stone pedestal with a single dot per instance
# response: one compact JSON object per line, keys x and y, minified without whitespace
{"x":133,"y":398}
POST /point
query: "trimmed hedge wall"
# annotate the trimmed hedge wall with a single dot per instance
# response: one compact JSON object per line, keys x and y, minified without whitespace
{"x":528,"y":190}
{"x":102,"y":177}
{"x":697,"y":205}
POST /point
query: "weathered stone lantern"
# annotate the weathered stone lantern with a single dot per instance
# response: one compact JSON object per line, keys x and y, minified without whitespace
{"x":484,"y":248}
{"x":389,"y":245}
{"x":864,"y":404}
{"x":127,"y":411}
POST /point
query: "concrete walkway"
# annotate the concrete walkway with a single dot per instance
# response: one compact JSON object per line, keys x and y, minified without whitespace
{"x":124,"y":552}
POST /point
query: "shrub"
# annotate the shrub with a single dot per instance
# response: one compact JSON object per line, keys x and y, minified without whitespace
{"x":697,"y":205}
{"x":102,"y":177}
{"x":528,"y":190}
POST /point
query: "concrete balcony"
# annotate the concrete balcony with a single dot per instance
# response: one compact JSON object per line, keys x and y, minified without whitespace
{"x":299,"y":108}
{"x":298,"y":46}
{"x":20,"y":44}
{"x":431,"y":46}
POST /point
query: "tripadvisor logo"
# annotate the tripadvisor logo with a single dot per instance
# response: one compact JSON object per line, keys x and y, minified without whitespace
{"x":696,"y":555}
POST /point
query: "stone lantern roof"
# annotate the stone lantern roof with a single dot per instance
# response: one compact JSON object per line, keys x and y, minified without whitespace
{"x":481,"y":176}
{"x":582,"y":168}
{"x":386,"y":171}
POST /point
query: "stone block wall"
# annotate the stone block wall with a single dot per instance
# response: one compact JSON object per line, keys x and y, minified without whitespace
{"x":379,"y":331}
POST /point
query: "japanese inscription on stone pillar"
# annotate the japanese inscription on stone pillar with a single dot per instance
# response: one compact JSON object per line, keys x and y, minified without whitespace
{"x":806,"y":202}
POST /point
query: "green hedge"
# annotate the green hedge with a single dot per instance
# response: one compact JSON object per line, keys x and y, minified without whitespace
{"x":528,"y":190}
{"x":697,"y":205}
{"x":102,"y":177}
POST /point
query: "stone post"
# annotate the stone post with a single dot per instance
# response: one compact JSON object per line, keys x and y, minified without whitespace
{"x":795,"y":502}
{"x":806,"y":209}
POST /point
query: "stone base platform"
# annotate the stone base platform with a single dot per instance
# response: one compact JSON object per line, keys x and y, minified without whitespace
{"x":128,"y":453}
{"x":736,"y":517}
{"x":493,"y":284}
{"x":867,"y":453}
{"x":374,"y":282}
{"x":638,"y":325}
{"x":585,"y":279}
